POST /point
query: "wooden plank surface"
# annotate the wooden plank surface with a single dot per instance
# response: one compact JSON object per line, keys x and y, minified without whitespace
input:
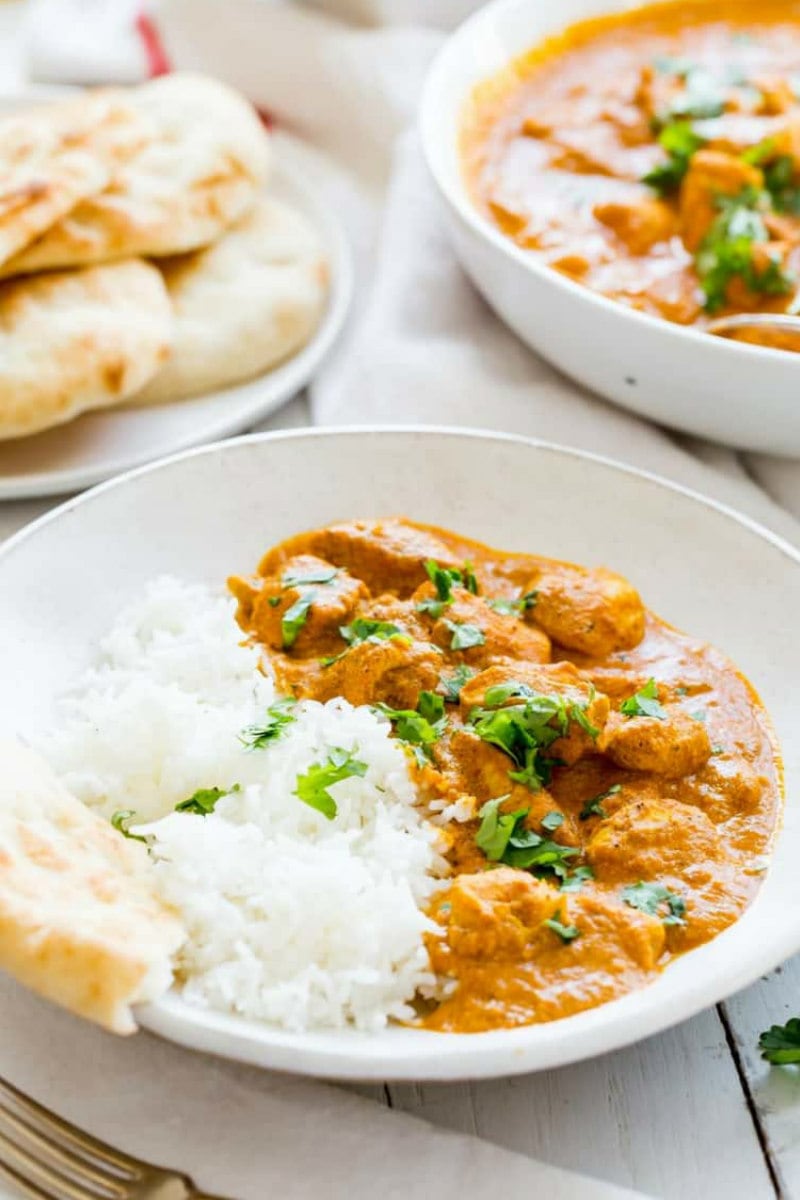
{"x":647,"y":1117}
{"x":775,"y":1091}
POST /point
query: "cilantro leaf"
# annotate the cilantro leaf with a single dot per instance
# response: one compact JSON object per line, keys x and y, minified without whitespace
{"x":644,"y":703}
{"x":504,"y":838}
{"x":121,"y":821}
{"x":594,"y":807}
{"x":651,"y":897}
{"x":320,"y":575}
{"x":204,"y":800}
{"x":452,"y":684}
{"x":465,"y":636}
{"x":523,"y":731}
{"x":363,"y":629}
{"x":470,"y":578}
{"x":312,"y":787}
{"x":279,"y":716}
{"x":574,"y":880}
{"x":496,"y":828}
{"x":552,"y":820}
{"x":680,"y":142}
{"x":420,"y":728}
{"x":726,"y":252}
{"x":508,"y":607}
{"x":781,"y":1043}
{"x":295,"y":618}
{"x":567,"y":933}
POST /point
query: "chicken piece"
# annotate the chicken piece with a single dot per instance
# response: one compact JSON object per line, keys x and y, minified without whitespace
{"x":389,"y":555}
{"x":393,"y":671}
{"x":502,"y":636}
{"x":595,"y":612}
{"x":497,"y":915}
{"x":562,"y":680}
{"x":263,"y":603}
{"x":651,"y":839}
{"x":673,"y":746}
{"x":476,"y":768}
{"x":775,"y":95}
{"x":728,"y":787}
{"x":640,"y":224}
{"x":711,"y":174}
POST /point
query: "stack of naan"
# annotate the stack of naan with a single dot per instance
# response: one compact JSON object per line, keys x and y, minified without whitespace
{"x":140,"y":258}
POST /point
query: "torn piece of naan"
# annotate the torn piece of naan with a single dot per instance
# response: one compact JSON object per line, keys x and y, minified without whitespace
{"x":80,"y":922}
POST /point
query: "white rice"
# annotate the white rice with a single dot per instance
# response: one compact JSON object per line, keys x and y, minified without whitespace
{"x":291,"y":918}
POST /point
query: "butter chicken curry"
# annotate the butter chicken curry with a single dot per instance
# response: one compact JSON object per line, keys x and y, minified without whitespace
{"x":608,"y":785}
{"x":654,"y":156}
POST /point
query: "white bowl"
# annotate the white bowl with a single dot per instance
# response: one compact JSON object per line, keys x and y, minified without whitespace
{"x":207,"y":513}
{"x":742,"y":395}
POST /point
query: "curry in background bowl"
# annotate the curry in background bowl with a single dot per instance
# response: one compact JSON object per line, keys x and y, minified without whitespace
{"x":653,"y":156}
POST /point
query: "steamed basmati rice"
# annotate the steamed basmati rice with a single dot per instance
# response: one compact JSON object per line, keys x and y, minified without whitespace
{"x":291,"y":918}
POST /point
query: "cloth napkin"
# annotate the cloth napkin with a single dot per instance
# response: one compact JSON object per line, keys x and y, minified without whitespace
{"x":421,"y":347}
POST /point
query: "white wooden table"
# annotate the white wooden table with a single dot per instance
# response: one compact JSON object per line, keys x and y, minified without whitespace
{"x":693,"y":1113}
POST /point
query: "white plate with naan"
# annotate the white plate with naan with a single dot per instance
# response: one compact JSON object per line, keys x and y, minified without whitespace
{"x":104,"y":443}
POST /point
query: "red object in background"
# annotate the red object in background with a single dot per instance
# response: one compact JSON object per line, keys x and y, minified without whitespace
{"x":157,"y":61}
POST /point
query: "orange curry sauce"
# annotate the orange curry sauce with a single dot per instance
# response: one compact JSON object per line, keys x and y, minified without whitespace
{"x":642,"y":833}
{"x":654,"y":157}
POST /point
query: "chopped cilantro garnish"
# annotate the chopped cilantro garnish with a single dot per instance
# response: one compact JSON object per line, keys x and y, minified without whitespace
{"x":496,"y":828}
{"x":508,"y":607}
{"x":552,"y":820}
{"x":574,"y":880}
{"x":420,"y":728}
{"x":780,"y":1044}
{"x":444,"y":579}
{"x":312,"y":787}
{"x":204,"y":800}
{"x":680,"y":142}
{"x":121,"y":821}
{"x":524,"y":730}
{"x":594,"y":807}
{"x":279,"y":716}
{"x":295,"y":618}
{"x":702,"y":95}
{"x":650,"y":898}
{"x":465,"y":636}
{"x":320,"y":575}
{"x":362,"y":629}
{"x":504,"y":838}
{"x":726,"y":252}
{"x":567,"y":933}
{"x":452,"y":684}
{"x":470,"y":578}
{"x":780,"y":180}
{"x":644,"y":703}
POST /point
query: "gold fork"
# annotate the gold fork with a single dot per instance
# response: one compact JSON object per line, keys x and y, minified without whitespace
{"x":49,"y":1159}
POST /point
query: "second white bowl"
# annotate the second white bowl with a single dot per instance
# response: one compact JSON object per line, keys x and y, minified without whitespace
{"x":742,"y":395}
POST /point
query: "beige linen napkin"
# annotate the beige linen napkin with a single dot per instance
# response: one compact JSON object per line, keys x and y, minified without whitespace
{"x":249,"y":1134}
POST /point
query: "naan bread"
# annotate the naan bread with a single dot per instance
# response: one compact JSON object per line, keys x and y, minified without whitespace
{"x":79,"y":919}
{"x":202,"y":170}
{"x":55,"y":156}
{"x":76,"y":340}
{"x":242,"y":305}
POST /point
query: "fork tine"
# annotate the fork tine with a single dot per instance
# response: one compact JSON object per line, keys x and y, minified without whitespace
{"x":77,"y":1168}
{"x":23,"y":1185}
{"x":38,"y":1178}
{"x":84,"y":1146}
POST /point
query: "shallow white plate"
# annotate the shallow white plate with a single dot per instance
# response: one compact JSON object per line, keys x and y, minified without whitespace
{"x":101,"y":444}
{"x":742,"y":395}
{"x":210,"y":512}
